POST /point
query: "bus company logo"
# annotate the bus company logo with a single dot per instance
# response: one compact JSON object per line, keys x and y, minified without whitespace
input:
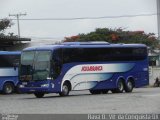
{"x":92,"y":68}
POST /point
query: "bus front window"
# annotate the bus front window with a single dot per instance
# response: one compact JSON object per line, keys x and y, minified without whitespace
{"x":42,"y":65}
{"x":26,"y":67}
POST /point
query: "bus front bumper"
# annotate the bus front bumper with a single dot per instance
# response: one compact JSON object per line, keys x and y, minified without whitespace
{"x":23,"y":89}
{"x":39,"y":86}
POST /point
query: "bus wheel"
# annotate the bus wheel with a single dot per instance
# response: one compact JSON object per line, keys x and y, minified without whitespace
{"x":65,"y":90}
{"x":120,"y":86}
{"x":95,"y":92}
{"x":8,"y":88}
{"x":129,"y":86}
{"x":39,"y":95}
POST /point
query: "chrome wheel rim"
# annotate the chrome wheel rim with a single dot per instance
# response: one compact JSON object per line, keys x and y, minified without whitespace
{"x":129,"y":84}
{"x":120,"y":86}
{"x":65,"y":89}
{"x":8,"y":89}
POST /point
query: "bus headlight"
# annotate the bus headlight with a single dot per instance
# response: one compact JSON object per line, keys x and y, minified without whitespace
{"x":45,"y":85}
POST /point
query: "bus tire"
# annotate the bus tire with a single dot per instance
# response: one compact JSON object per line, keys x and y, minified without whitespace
{"x":120,"y":87}
{"x":39,"y":95}
{"x":129,"y":86}
{"x":65,"y":90}
{"x":8,"y":88}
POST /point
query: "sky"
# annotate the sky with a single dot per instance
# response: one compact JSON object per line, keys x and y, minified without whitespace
{"x":58,"y":29}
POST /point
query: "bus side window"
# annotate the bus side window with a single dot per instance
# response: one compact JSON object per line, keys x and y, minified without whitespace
{"x":56,"y":63}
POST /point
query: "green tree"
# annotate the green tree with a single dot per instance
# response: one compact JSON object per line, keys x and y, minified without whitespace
{"x":4,"y":24}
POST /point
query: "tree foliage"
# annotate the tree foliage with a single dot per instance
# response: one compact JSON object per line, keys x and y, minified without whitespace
{"x":4,"y":24}
{"x":116,"y":36}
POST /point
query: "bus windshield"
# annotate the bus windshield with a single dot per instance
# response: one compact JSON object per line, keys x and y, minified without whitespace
{"x":27,"y":63}
{"x":36,"y":64}
{"x":42,"y":65}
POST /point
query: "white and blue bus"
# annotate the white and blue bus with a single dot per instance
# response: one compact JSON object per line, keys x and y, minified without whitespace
{"x":9,"y":71}
{"x":97,"y":67}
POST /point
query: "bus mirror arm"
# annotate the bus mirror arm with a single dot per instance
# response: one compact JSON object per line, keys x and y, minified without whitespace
{"x":53,"y":75}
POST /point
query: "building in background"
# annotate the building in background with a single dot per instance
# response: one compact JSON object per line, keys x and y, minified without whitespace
{"x":9,"y":43}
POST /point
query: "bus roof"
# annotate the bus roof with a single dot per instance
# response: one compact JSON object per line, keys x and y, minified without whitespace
{"x":10,"y":52}
{"x":82,"y":45}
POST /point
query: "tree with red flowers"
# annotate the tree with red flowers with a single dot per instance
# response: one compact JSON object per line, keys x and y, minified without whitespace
{"x":116,"y":36}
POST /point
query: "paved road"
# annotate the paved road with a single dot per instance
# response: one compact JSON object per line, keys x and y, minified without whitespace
{"x":142,"y":100}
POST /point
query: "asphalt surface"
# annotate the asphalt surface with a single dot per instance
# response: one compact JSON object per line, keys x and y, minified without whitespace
{"x":141,"y":100}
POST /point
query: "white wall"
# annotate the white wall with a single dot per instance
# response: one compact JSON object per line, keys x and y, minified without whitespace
{"x":154,"y":72}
